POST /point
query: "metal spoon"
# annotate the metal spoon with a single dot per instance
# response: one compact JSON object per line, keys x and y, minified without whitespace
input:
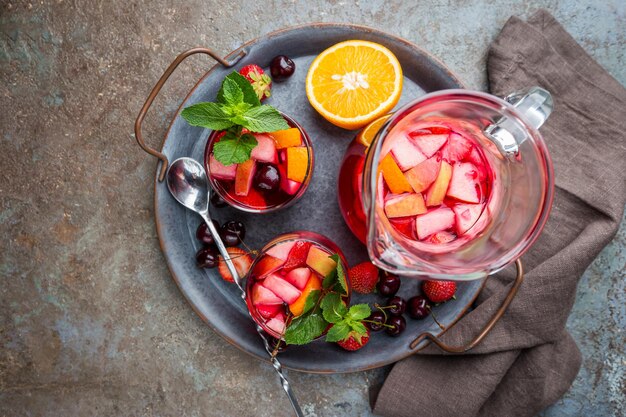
{"x":187,"y":181}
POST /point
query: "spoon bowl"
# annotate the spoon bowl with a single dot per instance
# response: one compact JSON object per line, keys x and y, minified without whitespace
{"x":188,"y":183}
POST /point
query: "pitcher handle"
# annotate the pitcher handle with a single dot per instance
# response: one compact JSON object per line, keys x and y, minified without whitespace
{"x":499,"y":313}
{"x":534,"y":106}
{"x":155,"y":91}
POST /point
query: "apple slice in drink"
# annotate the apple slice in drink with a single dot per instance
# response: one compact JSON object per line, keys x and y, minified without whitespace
{"x":281,"y":288}
{"x":265,"y":150}
{"x":466,"y":216}
{"x":263,"y":296}
{"x":457,"y":148}
{"x":405,"y":153}
{"x":464,"y":184}
{"x":437,"y":220}
{"x":277,"y":324}
{"x":298,"y":277}
{"x":281,"y":251}
{"x":266,"y":265}
{"x":405,"y":205}
{"x":437,"y":192}
{"x":441,"y":237}
{"x":221,"y":171}
{"x":429,"y":144}
{"x":320,"y":261}
{"x":421,"y":176}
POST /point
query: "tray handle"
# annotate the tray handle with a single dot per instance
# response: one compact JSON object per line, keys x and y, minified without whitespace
{"x":157,"y":88}
{"x":499,"y":313}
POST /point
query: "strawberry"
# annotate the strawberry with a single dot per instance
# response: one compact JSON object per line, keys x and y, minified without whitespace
{"x":261,"y":82}
{"x":240,"y":258}
{"x":363,"y":277}
{"x":355,"y":341}
{"x":439,"y":291}
{"x":297,"y":255}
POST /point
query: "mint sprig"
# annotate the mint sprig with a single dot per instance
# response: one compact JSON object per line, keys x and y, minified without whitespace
{"x":237,"y":108}
{"x":349,"y":323}
{"x":326,"y":307}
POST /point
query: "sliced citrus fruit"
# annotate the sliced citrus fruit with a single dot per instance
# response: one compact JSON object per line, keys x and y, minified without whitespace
{"x":366,"y":136}
{"x":354,"y":82}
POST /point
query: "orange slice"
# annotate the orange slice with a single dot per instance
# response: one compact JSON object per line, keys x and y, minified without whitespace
{"x":353,"y":83}
{"x":297,"y":163}
{"x":395,"y":179}
{"x":287,"y":138}
{"x":366,"y":136}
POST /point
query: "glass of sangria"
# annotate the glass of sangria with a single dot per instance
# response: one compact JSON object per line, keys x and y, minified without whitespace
{"x":456,"y":185}
{"x":276,"y":176}
{"x":286,"y":271}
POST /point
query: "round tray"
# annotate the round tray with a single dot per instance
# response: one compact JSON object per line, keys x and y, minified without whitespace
{"x":218,"y":302}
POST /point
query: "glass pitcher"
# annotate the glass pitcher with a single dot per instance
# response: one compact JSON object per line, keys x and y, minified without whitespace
{"x":514,"y":204}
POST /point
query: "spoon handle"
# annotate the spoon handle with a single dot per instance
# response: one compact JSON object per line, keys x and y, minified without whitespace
{"x":221,"y":247}
{"x":273,"y":359}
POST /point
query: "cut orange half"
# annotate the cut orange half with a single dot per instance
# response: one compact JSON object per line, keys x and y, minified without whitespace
{"x":354,"y":82}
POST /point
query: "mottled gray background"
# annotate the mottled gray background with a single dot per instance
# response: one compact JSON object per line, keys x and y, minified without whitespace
{"x":91,"y":323}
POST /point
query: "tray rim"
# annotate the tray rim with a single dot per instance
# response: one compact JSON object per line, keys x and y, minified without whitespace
{"x":233,"y":53}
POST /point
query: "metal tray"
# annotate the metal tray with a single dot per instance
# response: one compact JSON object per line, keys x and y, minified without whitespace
{"x":217,"y":302}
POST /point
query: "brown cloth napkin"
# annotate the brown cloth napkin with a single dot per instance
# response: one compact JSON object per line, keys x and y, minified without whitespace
{"x":528,"y":360}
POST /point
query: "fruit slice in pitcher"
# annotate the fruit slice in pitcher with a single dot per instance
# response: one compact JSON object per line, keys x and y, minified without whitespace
{"x":405,"y":205}
{"x":424,"y":174}
{"x":434,"y":221}
{"x":437,"y":192}
{"x":464,"y":184}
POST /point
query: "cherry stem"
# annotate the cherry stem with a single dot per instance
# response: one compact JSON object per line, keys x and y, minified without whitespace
{"x":435,"y":318}
{"x":377,"y":322}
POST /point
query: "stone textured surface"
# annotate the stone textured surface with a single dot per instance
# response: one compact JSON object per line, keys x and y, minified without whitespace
{"x":90,"y":322}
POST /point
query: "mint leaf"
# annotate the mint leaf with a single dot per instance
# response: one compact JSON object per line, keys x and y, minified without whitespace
{"x":233,"y":149}
{"x":230,"y":93}
{"x":359,"y":312}
{"x":333,"y":308}
{"x":249,"y":96}
{"x":263,"y":119}
{"x":358,"y":327}
{"x":305,"y":329}
{"x":330,"y":279}
{"x":209,"y":115}
{"x":338,"y":332}
{"x":236,"y":111}
{"x":311,"y":300}
{"x":341,"y":274}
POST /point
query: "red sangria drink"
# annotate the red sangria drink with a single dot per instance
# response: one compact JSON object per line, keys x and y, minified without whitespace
{"x":456,"y":185}
{"x":275,"y":176}
{"x":287,"y":271}
{"x":434,"y":182}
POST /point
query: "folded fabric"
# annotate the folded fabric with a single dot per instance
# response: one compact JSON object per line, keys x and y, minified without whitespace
{"x":528,"y":360}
